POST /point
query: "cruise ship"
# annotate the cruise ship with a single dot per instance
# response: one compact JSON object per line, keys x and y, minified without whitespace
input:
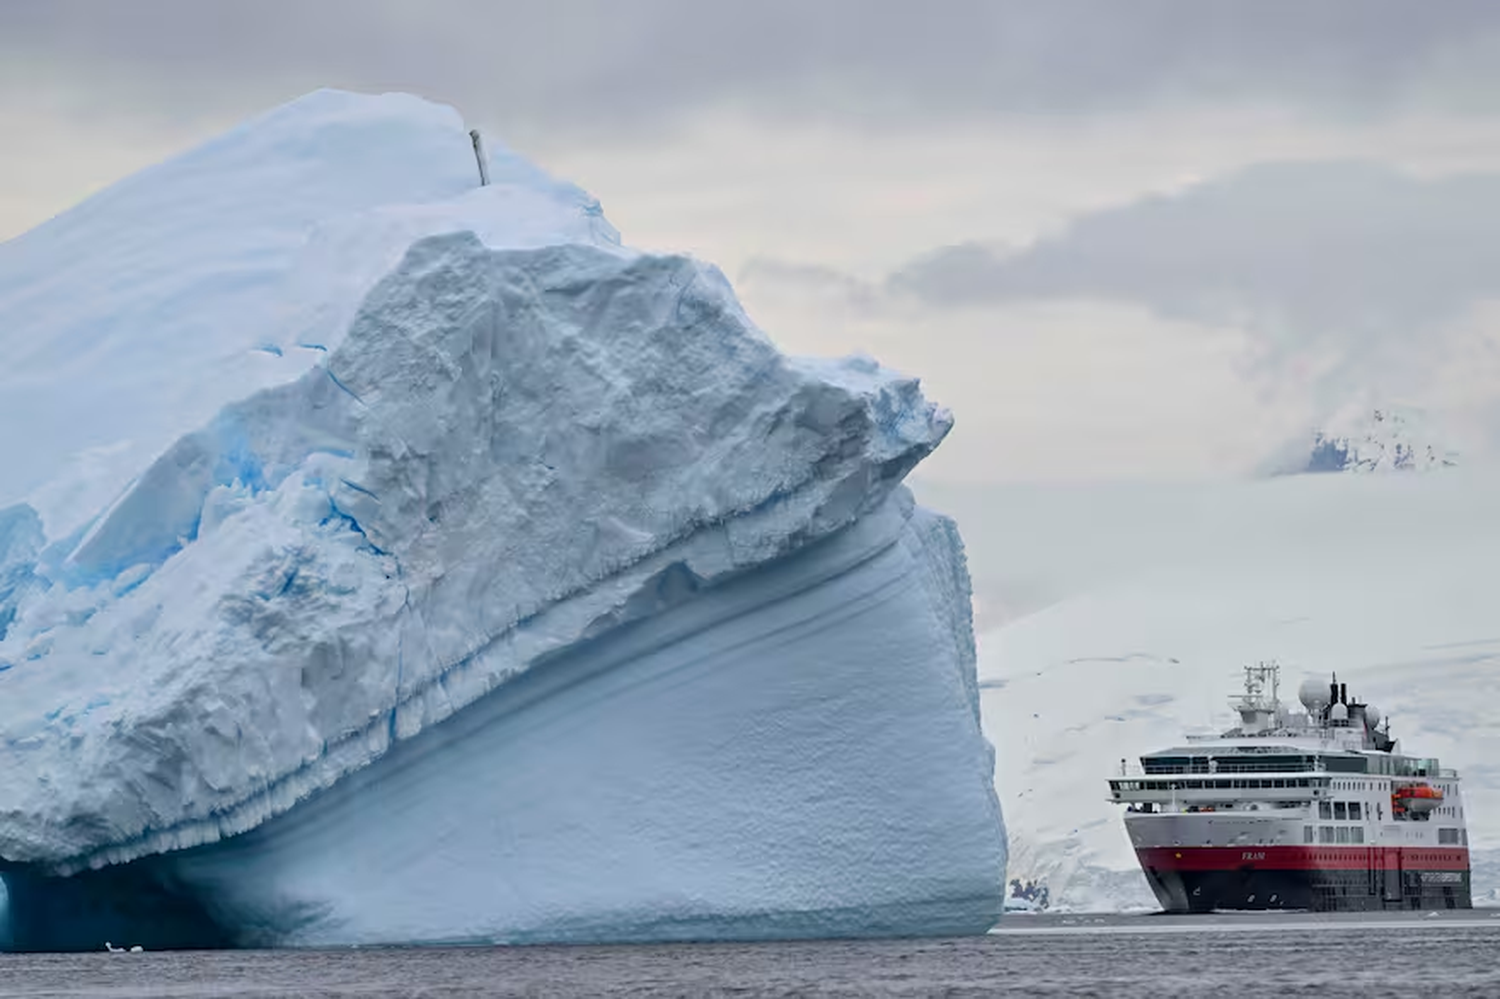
{"x":1316,"y":809}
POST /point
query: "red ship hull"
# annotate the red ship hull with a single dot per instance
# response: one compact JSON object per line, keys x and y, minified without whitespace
{"x":1318,"y":878}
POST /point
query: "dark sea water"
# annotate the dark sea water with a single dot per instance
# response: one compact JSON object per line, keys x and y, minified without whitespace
{"x":1452,"y":954}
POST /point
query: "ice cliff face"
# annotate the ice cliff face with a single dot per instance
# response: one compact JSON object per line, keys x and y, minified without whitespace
{"x":546,"y":601}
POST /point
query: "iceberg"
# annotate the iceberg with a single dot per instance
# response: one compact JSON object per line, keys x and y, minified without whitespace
{"x":483,"y":580}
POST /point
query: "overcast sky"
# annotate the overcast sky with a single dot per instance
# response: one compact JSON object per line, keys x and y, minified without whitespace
{"x":1117,"y":238}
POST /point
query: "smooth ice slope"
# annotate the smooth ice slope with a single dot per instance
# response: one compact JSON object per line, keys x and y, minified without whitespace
{"x":552,"y":602}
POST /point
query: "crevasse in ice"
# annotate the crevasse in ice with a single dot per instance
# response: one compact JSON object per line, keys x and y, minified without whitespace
{"x":529,"y":594}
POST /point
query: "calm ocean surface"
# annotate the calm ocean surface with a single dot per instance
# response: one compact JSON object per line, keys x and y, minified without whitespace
{"x":1452,"y":954}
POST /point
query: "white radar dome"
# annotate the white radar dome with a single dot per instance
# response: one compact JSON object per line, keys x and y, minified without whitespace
{"x":1338,"y":713}
{"x":1313,"y":694}
{"x":1372,"y":715}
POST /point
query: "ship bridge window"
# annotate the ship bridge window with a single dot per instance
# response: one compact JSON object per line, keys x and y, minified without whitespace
{"x":1354,"y":810}
{"x":1244,"y":763}
{"x":1341,"y":834}
{"x":1409,"y":767}
{"x":1325,"y":834}
{"x":1340,"y":810}
{"x":1325,"y":810}
{"x":1357,"y":834}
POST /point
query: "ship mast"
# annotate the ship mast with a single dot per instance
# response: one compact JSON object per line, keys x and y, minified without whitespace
{"x":1260,"y":705}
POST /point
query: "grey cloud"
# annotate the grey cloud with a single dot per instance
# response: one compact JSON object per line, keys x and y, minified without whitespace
{"x":812,"y":279}
{"x":597,"y":62}
{"x":1315,"y":253}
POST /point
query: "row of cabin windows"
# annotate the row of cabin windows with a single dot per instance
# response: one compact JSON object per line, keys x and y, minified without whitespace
{"x":1334,"y":834}
{"x":1205,"y":785}
{"x":1356,"y":835}
{"x":1391,"y":766}
{"x":1339,"y":810}
{"x":1258,"y":763}
{"x":1227,"y":764}
{"x":1366,"y":785}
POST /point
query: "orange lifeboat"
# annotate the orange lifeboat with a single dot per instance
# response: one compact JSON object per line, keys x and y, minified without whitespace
{"x":1416,"y":798}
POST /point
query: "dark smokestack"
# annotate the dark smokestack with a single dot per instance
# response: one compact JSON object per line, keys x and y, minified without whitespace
{"x":1343,"y":693}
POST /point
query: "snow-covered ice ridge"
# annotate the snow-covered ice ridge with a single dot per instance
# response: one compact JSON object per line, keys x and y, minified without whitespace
{"x":530,"y":594}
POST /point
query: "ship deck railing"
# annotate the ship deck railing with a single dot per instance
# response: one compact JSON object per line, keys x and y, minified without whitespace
{"x":1136,"y":770}
{"x":1168,"y":770}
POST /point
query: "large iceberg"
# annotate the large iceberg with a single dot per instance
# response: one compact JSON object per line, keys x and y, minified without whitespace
{"x":523,"y":593}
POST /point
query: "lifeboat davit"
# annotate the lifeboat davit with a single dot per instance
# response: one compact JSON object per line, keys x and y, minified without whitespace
{"x":1417,"y":797}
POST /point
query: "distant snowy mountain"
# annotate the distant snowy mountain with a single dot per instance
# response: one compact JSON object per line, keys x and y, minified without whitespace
{"x":387,"y":558}
{"x":1381,"y":440}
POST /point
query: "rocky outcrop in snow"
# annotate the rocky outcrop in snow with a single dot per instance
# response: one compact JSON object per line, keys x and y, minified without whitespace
{"x":1388,"y":440}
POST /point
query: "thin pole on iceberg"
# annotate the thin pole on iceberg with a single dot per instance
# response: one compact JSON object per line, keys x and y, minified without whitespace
{"x":484,"y":167}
